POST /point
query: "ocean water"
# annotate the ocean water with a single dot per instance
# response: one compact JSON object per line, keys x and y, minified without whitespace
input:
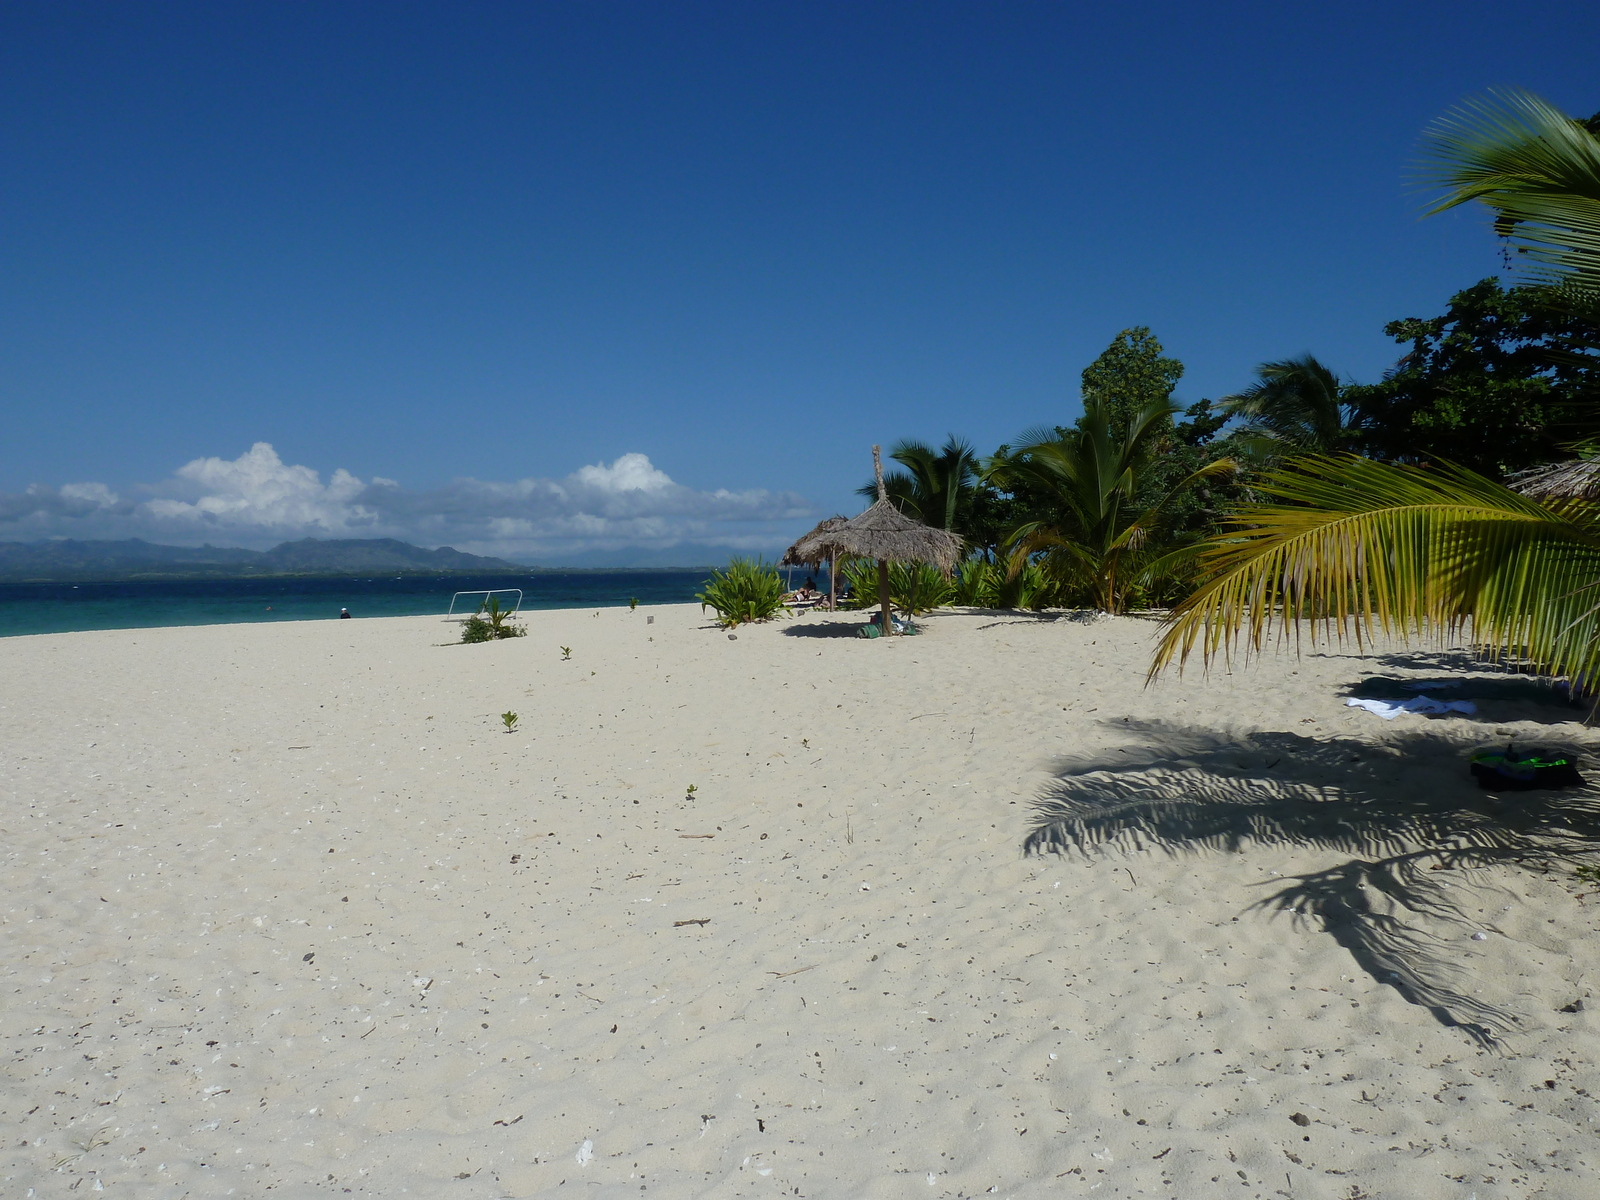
{"x":67,"y":607}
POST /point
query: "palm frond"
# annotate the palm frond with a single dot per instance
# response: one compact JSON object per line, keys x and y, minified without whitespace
{"x":1359,"y":546}
{"x":1536,"y":166}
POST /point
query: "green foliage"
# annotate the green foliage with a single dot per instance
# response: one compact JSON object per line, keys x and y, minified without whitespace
{"x":566,"y":653}
{"x":1537,"y":168}
{"x":745,"y":590}
{"x":1130,"y":377}
{"x":1497,"y":384}
{"x":914,"y":588}
{"x":491,"y":623}
{"x":1098,"y":536}
{"x":936,"y":486}
{"x":982,"y":584}
{"x":633,"y":604}
{"x":1296,"y":406}
{"x":1353,"y":546}
{"x":510,"y":718}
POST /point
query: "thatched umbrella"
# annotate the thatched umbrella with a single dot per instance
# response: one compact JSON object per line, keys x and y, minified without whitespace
{"x":885,"y":533}
{"x":1577,"y":480}
{"x":813,"y":549}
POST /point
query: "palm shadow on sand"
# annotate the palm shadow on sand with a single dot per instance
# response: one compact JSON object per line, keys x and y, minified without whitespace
{"x":1405,"y":809}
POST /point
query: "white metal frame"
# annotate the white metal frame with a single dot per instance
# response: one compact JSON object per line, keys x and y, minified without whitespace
{"x":452,"y":615}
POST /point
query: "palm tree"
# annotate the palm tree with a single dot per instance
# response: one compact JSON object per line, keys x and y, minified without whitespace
{"x":934,"y":484}
{"x":1103,"y":539}
{"x":1536,"y":167}
{"x":1294,"y":407}
{"x":1353,"y":546}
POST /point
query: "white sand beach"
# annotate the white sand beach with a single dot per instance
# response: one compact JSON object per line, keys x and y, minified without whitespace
{"x":288,"y":913}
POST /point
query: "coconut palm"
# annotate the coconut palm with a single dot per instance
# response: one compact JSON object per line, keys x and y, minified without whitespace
{"x":1294,"y":407}
{"x":934,"y":483}
{"x":1355,"y":546}
{"x":1103,"y":540}
{"x":1352,"y":547}
{"x":1536,"y":167}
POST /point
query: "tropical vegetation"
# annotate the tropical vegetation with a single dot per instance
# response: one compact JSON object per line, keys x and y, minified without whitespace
{"x":1305,"y":496}
{"x":744,"y":591}
{"x":1352,"y":546}
{"x":914,"y":588}
{"x":491,"y":623}
{"x":1101,"y":536}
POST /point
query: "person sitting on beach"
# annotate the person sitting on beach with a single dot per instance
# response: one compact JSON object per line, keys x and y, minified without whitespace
{"x":344,"y":614}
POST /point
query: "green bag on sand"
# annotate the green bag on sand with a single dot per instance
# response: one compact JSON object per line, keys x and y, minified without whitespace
{"x":873,"y":629}
{"x":1512,"y":770}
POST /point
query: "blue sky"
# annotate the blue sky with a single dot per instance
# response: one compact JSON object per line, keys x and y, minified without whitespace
{"x":643,"y":282}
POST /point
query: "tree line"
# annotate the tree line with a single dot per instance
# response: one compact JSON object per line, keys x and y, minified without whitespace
{"x":1142,"y":503}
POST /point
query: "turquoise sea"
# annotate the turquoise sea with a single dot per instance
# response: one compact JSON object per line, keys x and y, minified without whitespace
{"x":67,"y":607}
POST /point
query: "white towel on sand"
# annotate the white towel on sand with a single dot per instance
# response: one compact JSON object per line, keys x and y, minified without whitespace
{"x":1390,"y":709}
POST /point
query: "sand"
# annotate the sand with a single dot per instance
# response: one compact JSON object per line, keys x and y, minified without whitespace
{"x":288,"y":913}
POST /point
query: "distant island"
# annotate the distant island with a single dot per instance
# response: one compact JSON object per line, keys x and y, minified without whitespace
{"x":134,"y":558}
{"x":72,"y":561}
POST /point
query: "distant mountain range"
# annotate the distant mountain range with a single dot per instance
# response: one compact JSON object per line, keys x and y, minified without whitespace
{"x":137,"y":559}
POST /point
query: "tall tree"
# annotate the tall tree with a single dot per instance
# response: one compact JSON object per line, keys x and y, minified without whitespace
{"x":1130,"y":376}
{"x":1295,"y":406}
{"x":1497,"y":384}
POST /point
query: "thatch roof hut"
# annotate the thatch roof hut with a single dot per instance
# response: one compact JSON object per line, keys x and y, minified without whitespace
{"x":885,"y":533}
{"x":1577,"y":480}
{"x":813,"y":549}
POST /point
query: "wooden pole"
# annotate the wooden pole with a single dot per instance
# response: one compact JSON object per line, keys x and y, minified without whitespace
{"x":883,"y":597}
{"x":883,"y":565}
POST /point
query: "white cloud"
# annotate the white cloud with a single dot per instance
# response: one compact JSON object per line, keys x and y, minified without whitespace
{"x":257,"y":490}
{"x":628,"y":508}
{"x":630,"y":473}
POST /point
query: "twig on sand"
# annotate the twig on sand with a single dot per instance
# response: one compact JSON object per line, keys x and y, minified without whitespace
{"x":694,"y":921}
{"x":697,"y":835}
{"x":786,"y":974}
{"x":1129,"y":870}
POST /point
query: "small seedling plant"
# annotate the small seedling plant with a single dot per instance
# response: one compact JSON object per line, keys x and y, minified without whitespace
{"x":633,"y":604}
{"x":689,"y":793}
{"x":566,"y":653}
{"x":510,"y":718}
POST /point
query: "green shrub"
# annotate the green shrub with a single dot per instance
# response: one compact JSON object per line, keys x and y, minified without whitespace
{"x":491,"y":623}
{"x":976,"y":581}
{"x":745,"y":590}
{"x":914,"y":588}
{"x":1030,"y":588}
{"x":981,"y":584}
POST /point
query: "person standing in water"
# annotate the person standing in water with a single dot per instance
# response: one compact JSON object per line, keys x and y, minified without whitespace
{"x":344,"y":614}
